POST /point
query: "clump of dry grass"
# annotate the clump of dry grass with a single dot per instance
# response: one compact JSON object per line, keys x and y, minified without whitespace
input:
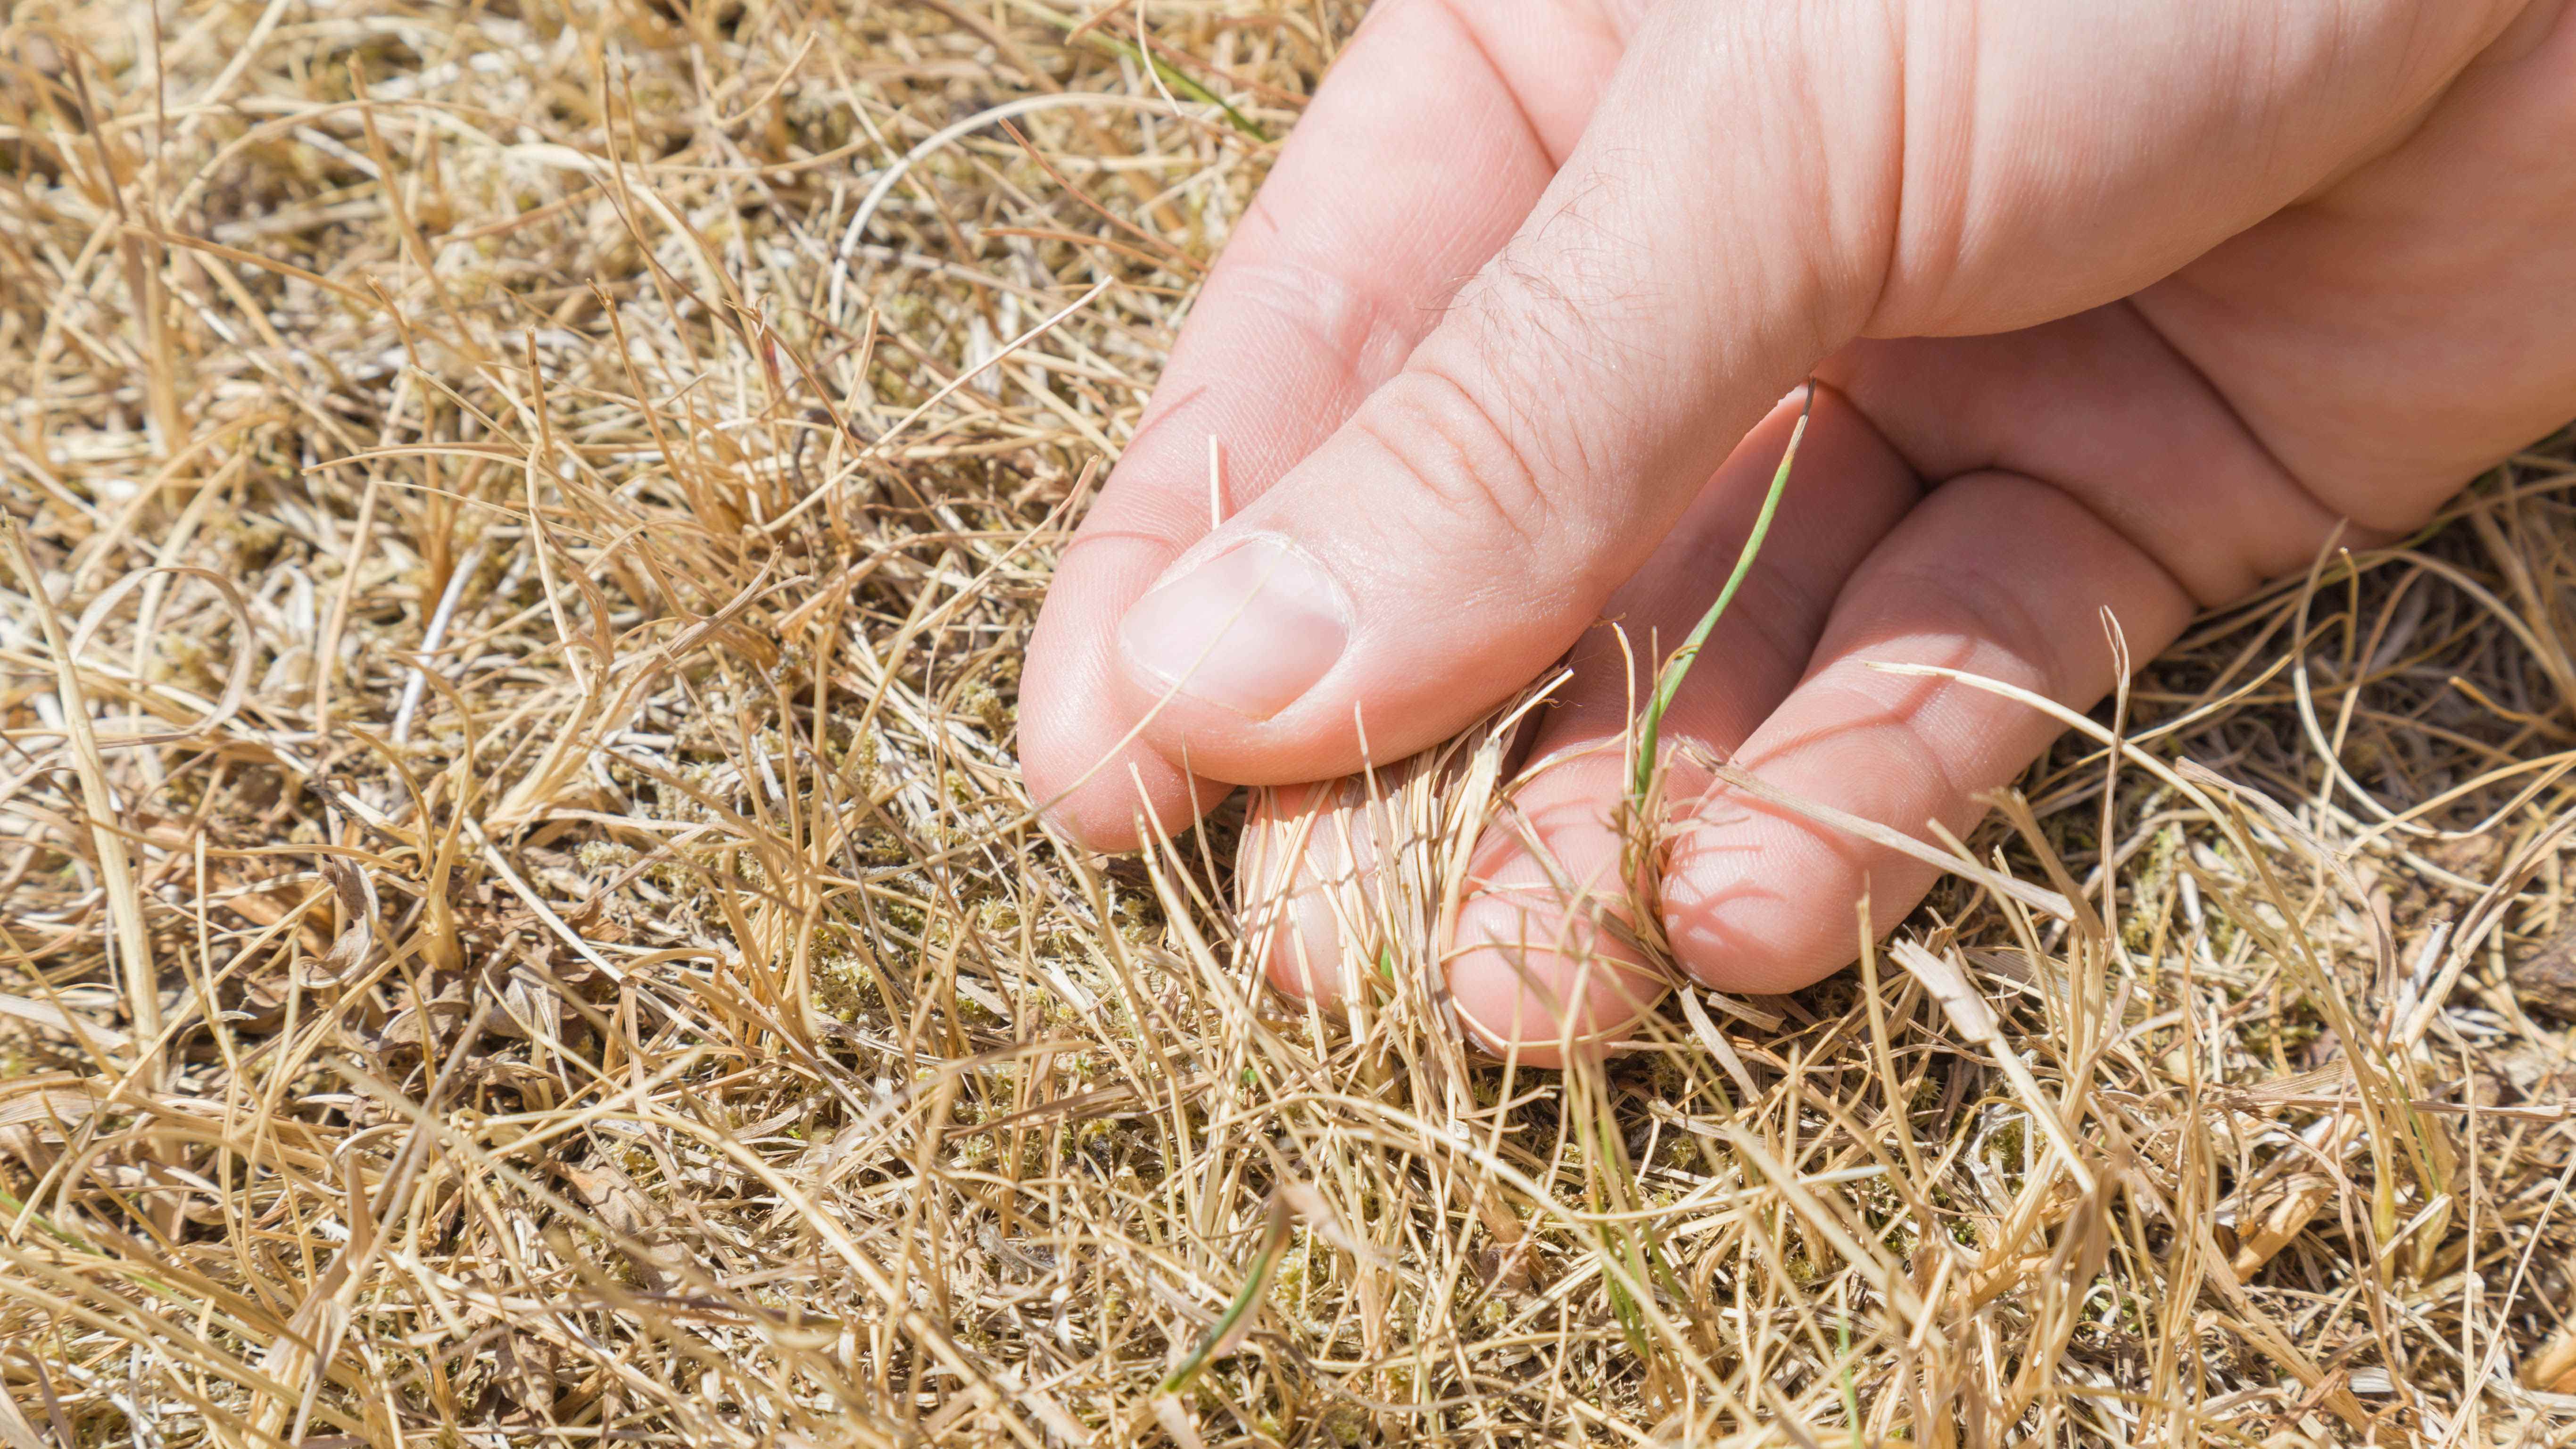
{"x":521,"y":925}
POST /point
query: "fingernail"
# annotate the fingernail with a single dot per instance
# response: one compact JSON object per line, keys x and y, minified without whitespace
{"x":1249,"y":629}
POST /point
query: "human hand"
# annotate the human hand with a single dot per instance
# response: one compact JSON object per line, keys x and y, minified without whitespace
{"x":2124,"y":314}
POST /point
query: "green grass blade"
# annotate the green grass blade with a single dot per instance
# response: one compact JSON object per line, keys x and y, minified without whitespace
{"x":1668,"y":682}
{"x":1180,"y":81}
{"x":1851,"y":1391}
{"x":1237,"y":1319}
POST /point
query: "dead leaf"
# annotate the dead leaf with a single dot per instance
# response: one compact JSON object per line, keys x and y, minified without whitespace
{"x":54,"y":1098}
{"x":2299,"y":1199}
{"x":2553,"y":1369}
{"x":357,"y":942}
{"x":54,"y":1018}
{"x":2545,"y":979}
{"x":628,"y":1214}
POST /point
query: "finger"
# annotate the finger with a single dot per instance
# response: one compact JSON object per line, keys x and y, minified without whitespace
{"x":2340,"y":330}
{"x":1305,"y":873}
{"x":1758,"y":185}
{"x":2102,"y":407}
{"x":1471,"y":518}
{"x":1544,"y":960}
{"x":1435,"y":131}
{"x":1544,"y":886}
{"x":2122,"y":428}
{"x":1994,"y":574}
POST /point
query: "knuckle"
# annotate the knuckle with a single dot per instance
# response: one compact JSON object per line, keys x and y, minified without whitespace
{"x":1470,"y":467}
{"x":1327,"y":314}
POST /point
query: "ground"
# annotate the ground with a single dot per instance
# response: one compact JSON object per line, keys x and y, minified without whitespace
{"x":519,"y":922}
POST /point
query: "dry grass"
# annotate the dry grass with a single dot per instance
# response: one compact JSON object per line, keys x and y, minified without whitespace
{"x":521,"y":924}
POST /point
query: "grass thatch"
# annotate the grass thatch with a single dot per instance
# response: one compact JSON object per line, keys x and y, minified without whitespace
{"x":518,"y":921}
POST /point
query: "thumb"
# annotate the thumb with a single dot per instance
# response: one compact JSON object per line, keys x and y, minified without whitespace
{"x":1457,"y":534}
{"x":1757,"y":186}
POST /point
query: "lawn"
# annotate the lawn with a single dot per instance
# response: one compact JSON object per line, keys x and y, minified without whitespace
{"x":519,"y":922}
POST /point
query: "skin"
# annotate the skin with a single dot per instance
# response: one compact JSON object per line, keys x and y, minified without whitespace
{"x":2123,"y":313}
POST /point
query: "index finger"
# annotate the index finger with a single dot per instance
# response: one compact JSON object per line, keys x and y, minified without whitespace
{"x":1422,"y":153}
